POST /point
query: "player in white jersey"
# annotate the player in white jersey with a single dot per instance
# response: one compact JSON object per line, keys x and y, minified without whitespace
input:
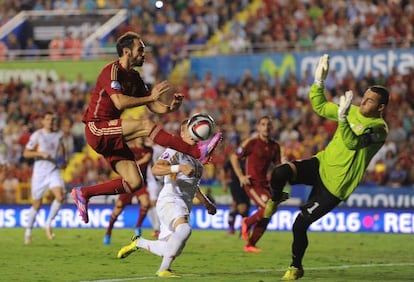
{"x":182,"y":175}
{"x":154,"y":186}
{"x":45,"y":146}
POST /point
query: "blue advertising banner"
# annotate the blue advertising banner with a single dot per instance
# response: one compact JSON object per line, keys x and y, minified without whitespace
{"x":341,"y":219}
{"x":359,"y":63}
{"x":368,"y":196}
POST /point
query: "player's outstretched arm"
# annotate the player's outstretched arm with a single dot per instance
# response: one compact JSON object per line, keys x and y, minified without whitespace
{"x":211,"y":208}
{"x":322,"y":69}
{"x":319,"y":103}
{"x":163,"y":167}
{"x":122,"y":102}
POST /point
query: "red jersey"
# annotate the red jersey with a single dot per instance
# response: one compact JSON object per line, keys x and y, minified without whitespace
{"x":113,"y":79}
{"x":139,"y":153}
{"x":259,"y":155}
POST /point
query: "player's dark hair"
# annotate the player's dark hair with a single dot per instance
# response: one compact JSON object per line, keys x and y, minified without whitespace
{"x":126,"y":41}
{"x":382,"y":92}
{"x":264,"y":117}
{"x":185,"y":122}
{"x":47,"y":113}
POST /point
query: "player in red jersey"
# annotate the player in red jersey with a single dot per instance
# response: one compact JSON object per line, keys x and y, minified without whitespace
{"x":119,"y":86}
{"x":143,"y":157}
{"x":260,"y":153}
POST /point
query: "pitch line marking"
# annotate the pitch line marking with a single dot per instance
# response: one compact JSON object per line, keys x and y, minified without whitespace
{"x":345,"y":266}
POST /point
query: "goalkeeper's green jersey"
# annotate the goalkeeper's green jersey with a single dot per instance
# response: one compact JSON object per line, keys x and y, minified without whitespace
{"x":343,"y":162}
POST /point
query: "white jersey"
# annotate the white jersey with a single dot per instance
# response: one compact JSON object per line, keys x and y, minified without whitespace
{"x":180,"y":185}
{"x":48,"y":142}
{"x":176,"y":197}
{"x":154,"y":183}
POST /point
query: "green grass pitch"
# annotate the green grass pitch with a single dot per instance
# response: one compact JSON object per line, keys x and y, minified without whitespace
{"x":79,"y":255}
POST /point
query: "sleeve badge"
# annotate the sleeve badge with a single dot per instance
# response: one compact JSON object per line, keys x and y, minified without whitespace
{"x":115,"y":85}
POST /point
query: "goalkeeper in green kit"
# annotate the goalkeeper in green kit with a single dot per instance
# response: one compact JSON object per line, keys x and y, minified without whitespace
{"x":335,"y":172}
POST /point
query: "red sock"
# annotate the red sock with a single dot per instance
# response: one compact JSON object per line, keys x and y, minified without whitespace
{"x":163,"y":138}
{"x":254,"y":218}
{"x":111,"y":225}
{"x":258,"y":231}
{"x":142,"y":214}
{"x":112,"y":187}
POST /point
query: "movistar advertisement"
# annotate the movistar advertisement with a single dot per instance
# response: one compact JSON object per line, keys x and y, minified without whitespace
{"x":339,"y":220}
{"x":359,"y":63}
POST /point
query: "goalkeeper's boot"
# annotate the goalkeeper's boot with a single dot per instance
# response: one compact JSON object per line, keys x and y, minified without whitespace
{"x":81,"y":203}
{"x":167,"y":274}
{"x":271,"y":205}
{"x":207,"y":147}
{"x":293,"y":273}
{"x":128,"y":249}
{"x":107,"y":239}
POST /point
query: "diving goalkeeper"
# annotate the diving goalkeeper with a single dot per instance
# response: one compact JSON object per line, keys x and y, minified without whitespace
{"x":335,"y":172}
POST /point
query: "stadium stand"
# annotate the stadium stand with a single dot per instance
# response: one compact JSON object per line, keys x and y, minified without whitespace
{"x":184,"y":28}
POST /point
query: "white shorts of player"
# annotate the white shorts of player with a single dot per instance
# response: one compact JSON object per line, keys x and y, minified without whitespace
{"x":43,"y":181}
{"x":154,"y":186}
{"x":169,"y":209}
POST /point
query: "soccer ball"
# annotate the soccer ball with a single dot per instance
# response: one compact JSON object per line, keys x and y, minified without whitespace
{"x":201,"y":126}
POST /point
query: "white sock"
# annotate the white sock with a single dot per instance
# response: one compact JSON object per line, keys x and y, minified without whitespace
{"x":31,"y":219}
{"x":54,"y":208}
{"x":153,"y":217}
{"x":157,"y":247}
{"x":175,"y":245}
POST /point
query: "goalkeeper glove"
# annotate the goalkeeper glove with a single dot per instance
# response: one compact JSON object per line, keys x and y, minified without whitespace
{"x":321,"y":71}
{"x":344,"y":105}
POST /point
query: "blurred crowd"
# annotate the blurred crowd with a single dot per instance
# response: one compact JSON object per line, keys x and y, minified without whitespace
{"x":235,"y":106}
{"x":183,"y":26}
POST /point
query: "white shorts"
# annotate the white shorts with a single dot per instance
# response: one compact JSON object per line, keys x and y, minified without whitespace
{"x":169,"y":210}
{"x":42,"y":182}
{"x":154,"y":186}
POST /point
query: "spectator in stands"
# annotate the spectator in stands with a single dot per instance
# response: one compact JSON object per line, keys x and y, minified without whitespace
{"x":164,"y":63}
{"x":13,"y":47}
{"x":56,"y":47}
{"x":77,"y":130}
{"x":72,"y":46}
{"x":149,"y":70}
{"x":10,"y":185}
{"x":32,"y":50}
{"x":67,"y":138}
{"x":397,"y":176}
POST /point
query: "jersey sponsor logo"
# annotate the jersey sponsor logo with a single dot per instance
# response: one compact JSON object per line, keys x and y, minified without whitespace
{"x":115,"y":85}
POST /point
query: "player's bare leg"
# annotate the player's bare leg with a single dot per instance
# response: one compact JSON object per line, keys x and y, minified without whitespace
{"x":49,"y":232}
